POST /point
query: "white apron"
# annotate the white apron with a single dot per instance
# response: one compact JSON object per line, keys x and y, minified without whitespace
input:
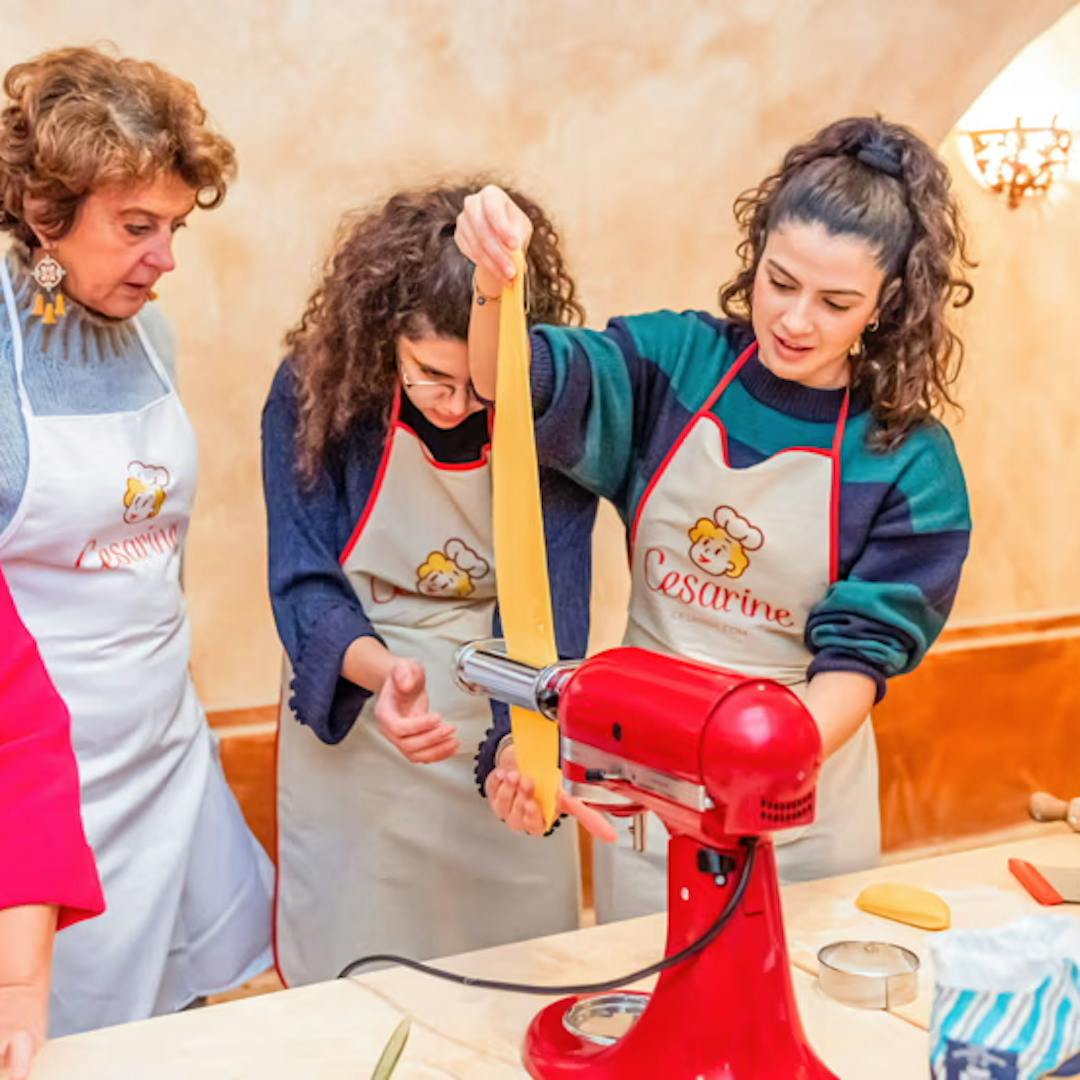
{"x":727,"y":565}
{"x":93,"y":559}
{"x":376,"y":854}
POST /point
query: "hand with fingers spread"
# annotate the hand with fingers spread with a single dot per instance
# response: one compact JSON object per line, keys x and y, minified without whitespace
{"x":489,"y":230}
{"x":404,"y":716}
{"x":512,"y":798}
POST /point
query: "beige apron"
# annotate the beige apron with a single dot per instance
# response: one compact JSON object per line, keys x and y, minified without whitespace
{"x":727,"y":565}
{"x":377,"y":854}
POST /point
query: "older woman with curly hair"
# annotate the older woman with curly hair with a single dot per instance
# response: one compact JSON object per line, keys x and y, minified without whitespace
{"x":803,"y":423}
{"x":102,"y":160}
{"x":378,"y":493}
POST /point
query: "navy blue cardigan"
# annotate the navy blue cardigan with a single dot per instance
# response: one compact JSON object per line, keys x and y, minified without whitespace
{"x":317,"y":612}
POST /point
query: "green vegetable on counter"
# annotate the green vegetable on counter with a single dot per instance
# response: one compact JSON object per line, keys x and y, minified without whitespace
{"x":390,"y":1057}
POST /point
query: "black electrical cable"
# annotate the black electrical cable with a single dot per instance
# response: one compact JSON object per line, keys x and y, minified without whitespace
{"x":706,"y":939}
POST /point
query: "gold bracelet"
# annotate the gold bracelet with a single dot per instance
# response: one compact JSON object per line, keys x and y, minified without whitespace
{"x":481,"y":298}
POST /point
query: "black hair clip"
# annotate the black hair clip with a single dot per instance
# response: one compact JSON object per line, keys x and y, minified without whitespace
{"x":881,"y":157}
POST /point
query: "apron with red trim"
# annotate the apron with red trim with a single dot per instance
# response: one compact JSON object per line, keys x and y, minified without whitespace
{"x":727,"y":565}
{"x":377,"y":854}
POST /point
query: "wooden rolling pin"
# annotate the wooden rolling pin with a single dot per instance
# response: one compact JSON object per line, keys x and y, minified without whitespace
{"x":1045,"y":807}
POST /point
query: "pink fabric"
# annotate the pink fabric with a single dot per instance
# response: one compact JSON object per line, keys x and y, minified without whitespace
{"x":44,"y":856}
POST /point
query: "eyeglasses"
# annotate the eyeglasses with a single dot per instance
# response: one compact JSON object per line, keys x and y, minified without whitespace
{"x":436,"y":392}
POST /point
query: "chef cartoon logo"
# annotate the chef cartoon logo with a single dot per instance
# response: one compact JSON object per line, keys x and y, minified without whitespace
{"x":453,"y":571}
{"x":721,"y":545}
{"x":145,"y":493}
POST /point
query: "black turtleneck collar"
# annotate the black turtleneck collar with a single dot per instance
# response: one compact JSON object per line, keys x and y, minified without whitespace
{"x":451,"y":446}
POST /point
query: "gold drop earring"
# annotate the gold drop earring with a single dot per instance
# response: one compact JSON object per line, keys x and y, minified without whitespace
{"x":859,"y":348}
{"x":49,"y":301}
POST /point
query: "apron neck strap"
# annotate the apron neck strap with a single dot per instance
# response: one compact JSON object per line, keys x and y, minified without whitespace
{"x":834,"y":495}
{"x":744,"y":357}
{"x":841,"y":422}
{"x":725,"y":382}
{"x":834,"y":454}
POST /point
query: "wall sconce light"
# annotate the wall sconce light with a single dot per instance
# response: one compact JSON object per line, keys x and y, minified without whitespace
{"x":1019,"y":161}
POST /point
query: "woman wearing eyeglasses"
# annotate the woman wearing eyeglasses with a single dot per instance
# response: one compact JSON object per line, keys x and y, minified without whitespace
{"x":376,"y":461}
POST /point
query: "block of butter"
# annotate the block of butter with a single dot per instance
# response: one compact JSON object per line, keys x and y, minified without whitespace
{"x":906,"y":904}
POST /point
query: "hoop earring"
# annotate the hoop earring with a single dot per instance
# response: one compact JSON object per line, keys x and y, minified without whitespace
{"x":858,"y":350}
{"x":48,"y":273}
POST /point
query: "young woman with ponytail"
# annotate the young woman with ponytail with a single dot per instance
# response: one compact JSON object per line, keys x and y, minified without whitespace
{"x":794,"y":508}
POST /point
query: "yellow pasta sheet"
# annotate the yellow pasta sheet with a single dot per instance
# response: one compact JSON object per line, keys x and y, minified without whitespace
{"x":520,"y":553}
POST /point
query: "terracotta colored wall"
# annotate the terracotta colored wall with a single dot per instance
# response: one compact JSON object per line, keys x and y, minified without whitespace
{"x":985,"y":721}
{"x":636,"y":120}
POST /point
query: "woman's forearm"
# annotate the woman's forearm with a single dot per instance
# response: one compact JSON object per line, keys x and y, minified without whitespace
{"x":491,"y":231}
{"x":367,"y":662}
{"x":839,"y":701}
{"x":26,"y":945}
{"x":484,"y":334}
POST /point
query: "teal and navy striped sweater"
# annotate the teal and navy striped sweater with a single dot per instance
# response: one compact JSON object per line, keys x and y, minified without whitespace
{"x":610,"y":405}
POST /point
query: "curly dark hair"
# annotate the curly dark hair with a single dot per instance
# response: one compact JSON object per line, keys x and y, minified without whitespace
{"x":879,"y":181}
{"x":396,"y":270}
{"x":77,"y":119}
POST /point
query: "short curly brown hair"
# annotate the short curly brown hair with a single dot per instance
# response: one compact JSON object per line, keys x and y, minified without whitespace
{"x":866,"y":177}
{"x":395,"y":270}
{"x":79,"y":119}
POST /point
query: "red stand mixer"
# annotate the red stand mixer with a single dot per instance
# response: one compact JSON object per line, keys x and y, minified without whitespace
{"x":723,"y":760}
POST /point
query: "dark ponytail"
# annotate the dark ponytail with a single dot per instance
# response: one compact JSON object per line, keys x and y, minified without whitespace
{"x":880,"y":182}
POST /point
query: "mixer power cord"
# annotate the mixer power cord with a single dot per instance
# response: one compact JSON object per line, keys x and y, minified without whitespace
{"x":703,"y":942}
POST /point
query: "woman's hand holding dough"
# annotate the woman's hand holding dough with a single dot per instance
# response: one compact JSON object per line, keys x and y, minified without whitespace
{"x":512,"y":799}
{"x":489,"y":230}
{"x":405,"y":718}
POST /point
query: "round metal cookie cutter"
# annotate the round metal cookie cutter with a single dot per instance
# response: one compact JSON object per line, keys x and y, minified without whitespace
{"x":869,"y":974}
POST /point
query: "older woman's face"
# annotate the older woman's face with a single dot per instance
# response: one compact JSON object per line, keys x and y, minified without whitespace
{"x":122,"y":243}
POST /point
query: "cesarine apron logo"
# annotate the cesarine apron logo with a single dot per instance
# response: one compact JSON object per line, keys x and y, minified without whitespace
{"x":723,"y":546}
{"x":453,"y":571}
{"x":144,"y":495}
{"x":720,"y":544}
{"x":750,"y":565}
{"x":450,"y":572}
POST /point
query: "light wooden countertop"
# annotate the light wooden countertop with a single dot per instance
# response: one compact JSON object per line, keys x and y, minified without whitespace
{"x":975,"y":884}
{"x":336,"y":1030}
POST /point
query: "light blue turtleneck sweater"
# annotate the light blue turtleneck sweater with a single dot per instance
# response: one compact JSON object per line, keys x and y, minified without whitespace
{"x":84,"y":364}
